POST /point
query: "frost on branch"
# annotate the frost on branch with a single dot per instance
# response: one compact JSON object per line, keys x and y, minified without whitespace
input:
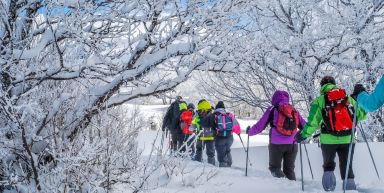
{"x":65,"y":66}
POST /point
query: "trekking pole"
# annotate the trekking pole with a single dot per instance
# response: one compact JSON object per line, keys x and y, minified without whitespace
{"x":246,"y":161}
{"x":185,"y":143}
{"x":245,"y":150}
{"x":309,"y":162}
{"x":350,"y":147}
{"x":369,"y":149}
{"x":162,"y":143}
{"x":301,"y":169}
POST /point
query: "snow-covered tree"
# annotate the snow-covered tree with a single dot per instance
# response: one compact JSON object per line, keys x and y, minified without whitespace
{"x":291,"y":45}
{"x":65,"y":64}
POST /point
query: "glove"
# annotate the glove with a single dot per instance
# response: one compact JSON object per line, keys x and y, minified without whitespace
{"x":247,"y":131}
{"x":299,"y":137}
{"x":357,"y":90}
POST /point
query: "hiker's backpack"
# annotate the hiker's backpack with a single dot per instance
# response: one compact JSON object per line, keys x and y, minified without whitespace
{"x":337,"y":113}
{"x":203,"y":133}
{"x":186,"y":121}
{"x":287,"y":120}
{"x":225,"y":123}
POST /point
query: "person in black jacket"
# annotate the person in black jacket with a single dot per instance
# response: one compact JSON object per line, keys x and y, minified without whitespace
{"x":223,"y":137}
{"x":170,"y":122}
{"x":205,"y":134}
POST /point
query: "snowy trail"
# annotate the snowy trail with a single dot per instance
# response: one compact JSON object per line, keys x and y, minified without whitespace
{"x":366,"y":178}
{"x":259,"y":179}
{"x":233,"y":180}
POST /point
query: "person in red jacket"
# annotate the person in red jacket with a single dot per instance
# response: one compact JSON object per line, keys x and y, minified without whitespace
{"x":184,"y":123}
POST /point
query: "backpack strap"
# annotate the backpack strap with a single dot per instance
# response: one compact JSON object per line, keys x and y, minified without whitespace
{"x":270,"y":121}
{"x":271,"y":116}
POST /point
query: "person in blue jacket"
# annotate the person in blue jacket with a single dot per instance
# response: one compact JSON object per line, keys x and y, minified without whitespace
{"x":370,"y":102}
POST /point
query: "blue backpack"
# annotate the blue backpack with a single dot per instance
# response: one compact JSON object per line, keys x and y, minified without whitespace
{"x":224,"y":122}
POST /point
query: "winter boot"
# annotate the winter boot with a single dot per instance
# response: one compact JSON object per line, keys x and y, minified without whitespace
{"x":277,"y":173}
{"x":229,"y":159}
{"x":329,"y":181}
{"x":199,"y":155}
{"x":350,"y":184}
{"x":223,"y":164}
{"x":211,"y":160}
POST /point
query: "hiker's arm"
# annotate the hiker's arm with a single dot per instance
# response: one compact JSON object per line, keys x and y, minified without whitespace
{"x":302,"y":122}
{"x":236,"y":126}
{"x":261,"y":124}
{"x":361,"y":114}
{"x":314,"y":120}
{"x":193,"y":126}
{"x":166,"y":120}
{"x":178,"y":122}
{"x":372,"y":102}
{"x":211,"y":120}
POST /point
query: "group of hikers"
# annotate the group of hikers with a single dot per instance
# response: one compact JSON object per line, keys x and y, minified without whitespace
{"x":210,"y":129}
{"x":334,"y":113}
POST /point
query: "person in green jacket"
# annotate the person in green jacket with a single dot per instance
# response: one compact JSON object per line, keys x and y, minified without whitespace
{"x":332,"y":142}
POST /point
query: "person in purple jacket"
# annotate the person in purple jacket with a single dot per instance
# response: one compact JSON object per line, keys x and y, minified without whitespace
{"x":284,"y":121}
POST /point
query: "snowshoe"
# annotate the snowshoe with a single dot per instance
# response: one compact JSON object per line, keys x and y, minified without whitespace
{"x":329,"y":181}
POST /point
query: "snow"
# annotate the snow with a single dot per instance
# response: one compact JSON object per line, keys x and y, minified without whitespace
{"x":202,"y":177}
{"x":259,"y":178}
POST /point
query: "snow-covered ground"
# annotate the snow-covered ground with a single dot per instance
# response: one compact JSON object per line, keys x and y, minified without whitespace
{"x":202,"y":177}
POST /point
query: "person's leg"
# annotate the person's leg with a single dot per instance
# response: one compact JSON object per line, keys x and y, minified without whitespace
{"x":329,"y":154}
{"x":275,"y":158}
{"x":342,"y":153}
{"x":191,"y":146}
{"x":228,"y":157}
{"x":180,"y":142}
{"x":173,"y":141}
{"x":210,"y":146}
{"x":220,"y":150}
{"x":199,"y":150}
{"x":289,"y":159}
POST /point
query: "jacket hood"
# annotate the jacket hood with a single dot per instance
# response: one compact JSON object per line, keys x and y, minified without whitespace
{"x":327,"y":87}
{"x":183,"y":106}
{"x":204,"y":106}
{"x":280,"y":97}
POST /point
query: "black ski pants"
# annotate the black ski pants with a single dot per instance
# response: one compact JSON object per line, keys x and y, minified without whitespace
{"x":223,"y":149}
{"x":209,"y":148}
{"x":329,"y":154}
{"x":177,"y":139}
{"x":285,"y":153}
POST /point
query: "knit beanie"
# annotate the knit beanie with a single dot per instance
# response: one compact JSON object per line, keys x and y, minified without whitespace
{"x":326,"y":80}
{"x":220,"y":104}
